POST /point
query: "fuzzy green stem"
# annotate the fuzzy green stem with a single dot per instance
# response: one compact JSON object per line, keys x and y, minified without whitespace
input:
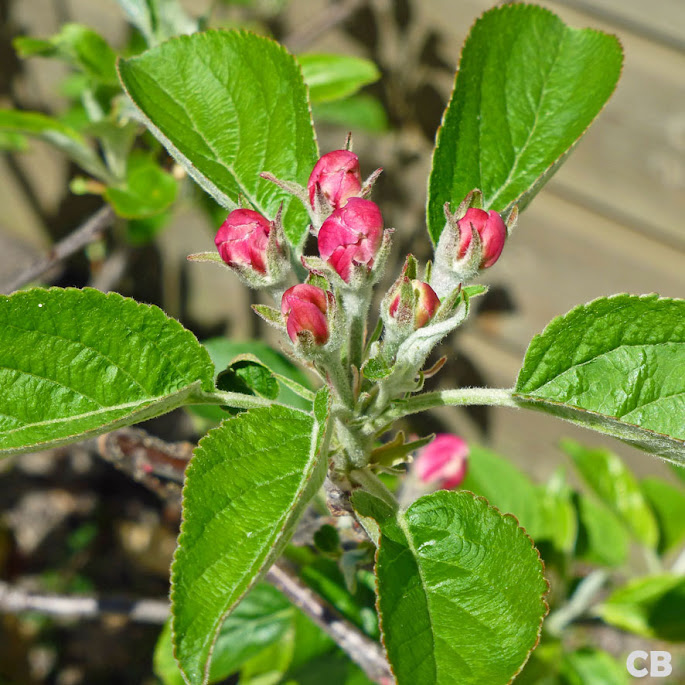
{"x":356,"y":306}
{"x":429,"y":400}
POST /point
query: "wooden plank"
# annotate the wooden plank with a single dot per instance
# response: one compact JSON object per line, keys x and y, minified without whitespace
{"x":662,"y":21}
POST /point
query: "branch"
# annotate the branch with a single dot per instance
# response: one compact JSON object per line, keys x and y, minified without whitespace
{"x":14,"y":600}
{"x":365,"y":652}
{"x":76,"y":240}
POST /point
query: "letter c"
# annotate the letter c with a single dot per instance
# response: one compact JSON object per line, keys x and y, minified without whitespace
{"x":630,"y":664}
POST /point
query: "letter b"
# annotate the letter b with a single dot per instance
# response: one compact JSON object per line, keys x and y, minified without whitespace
{"x":660,"y":664}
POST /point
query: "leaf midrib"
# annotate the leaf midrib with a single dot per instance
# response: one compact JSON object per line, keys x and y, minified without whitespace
{"x":102,"y":410}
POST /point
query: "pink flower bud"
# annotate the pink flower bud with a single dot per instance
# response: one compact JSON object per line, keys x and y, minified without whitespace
{"x":352,"y":235}
{"x":493,"y":234}
{"x":338,"y":176}
{"x":425,"y":303}
{"x":304,"y":308}
{"x":443,"y":462}
{"x":242,"y":239}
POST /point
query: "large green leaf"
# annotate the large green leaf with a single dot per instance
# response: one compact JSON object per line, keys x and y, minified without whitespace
{"x":229,"y":105}
{"x":668,"y":503}
{"x":332,"y":77}
{"x":616,"y":365}
{"x":246,"y":486}
{"x":617,"y":487}
{"x":75,"y":363}
{"x":527,"y":88}
{"x":652,"y":607}
{"x":460,"y":589}
{"x":63,"y":137}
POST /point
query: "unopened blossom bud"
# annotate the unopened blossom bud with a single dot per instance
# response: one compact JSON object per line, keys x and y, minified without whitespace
{"x":305,"y":309}
{"x":243,"y":238}
{"x":337,"y":176}
{"x":443,"y":462}
{"x":492,"y":231}
{"x":351,"y":236}
{"x":423,"y":306}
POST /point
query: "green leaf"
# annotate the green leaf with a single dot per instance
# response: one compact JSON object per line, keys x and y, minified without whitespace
{"x":668,"y":503}
{"x":601,"y":537}
{"x":229,"y":105}
{"x":360,"y":112}
{"x":13,"y":142}
{"x":527,"y":88}
{"x":80,"y":46}
{"x":588,"y":666}
{"x":617,"y":487}
{"x":249,"y":375}
{"x":246,"y":486}
{"x":148,"y":190}
{"x":652,"y":607}
{"x":558,"y":519}
{"x":505,"y":487}
{"x":76,"y":363}
{"x":333,"y":77}
{"x":223,"y":351}
{"x":616,"y":365}
{"x":158,"y":20}
{"x":260,"y":620}
{"x":460,"y":589}
{"x":63,"y":137}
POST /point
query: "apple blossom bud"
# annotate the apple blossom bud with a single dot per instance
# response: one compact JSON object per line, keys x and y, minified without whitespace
{"x":423,"y":306}
{"x":243,"y":238}
{"x":351,"y":236}
{"x":305,"y":308}
{"x":337,"y":176}
{"x":443,"y":462}
{"x":492,"y":231}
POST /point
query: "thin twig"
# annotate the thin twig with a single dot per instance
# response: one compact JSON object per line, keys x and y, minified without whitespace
{"x":365,"y":652}
{"x":76,"y":240}
{"x":333,"y":15}
{"x":14,"y":600}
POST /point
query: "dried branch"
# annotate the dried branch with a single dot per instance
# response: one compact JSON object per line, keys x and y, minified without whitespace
{"x":365,"y":652}
{"x":75,"y":241}
{"x":15,"y":600}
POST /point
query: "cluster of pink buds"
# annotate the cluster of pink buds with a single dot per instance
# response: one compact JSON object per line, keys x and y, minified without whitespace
{"x":442,"y":464}
{"x":327,"y":313}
